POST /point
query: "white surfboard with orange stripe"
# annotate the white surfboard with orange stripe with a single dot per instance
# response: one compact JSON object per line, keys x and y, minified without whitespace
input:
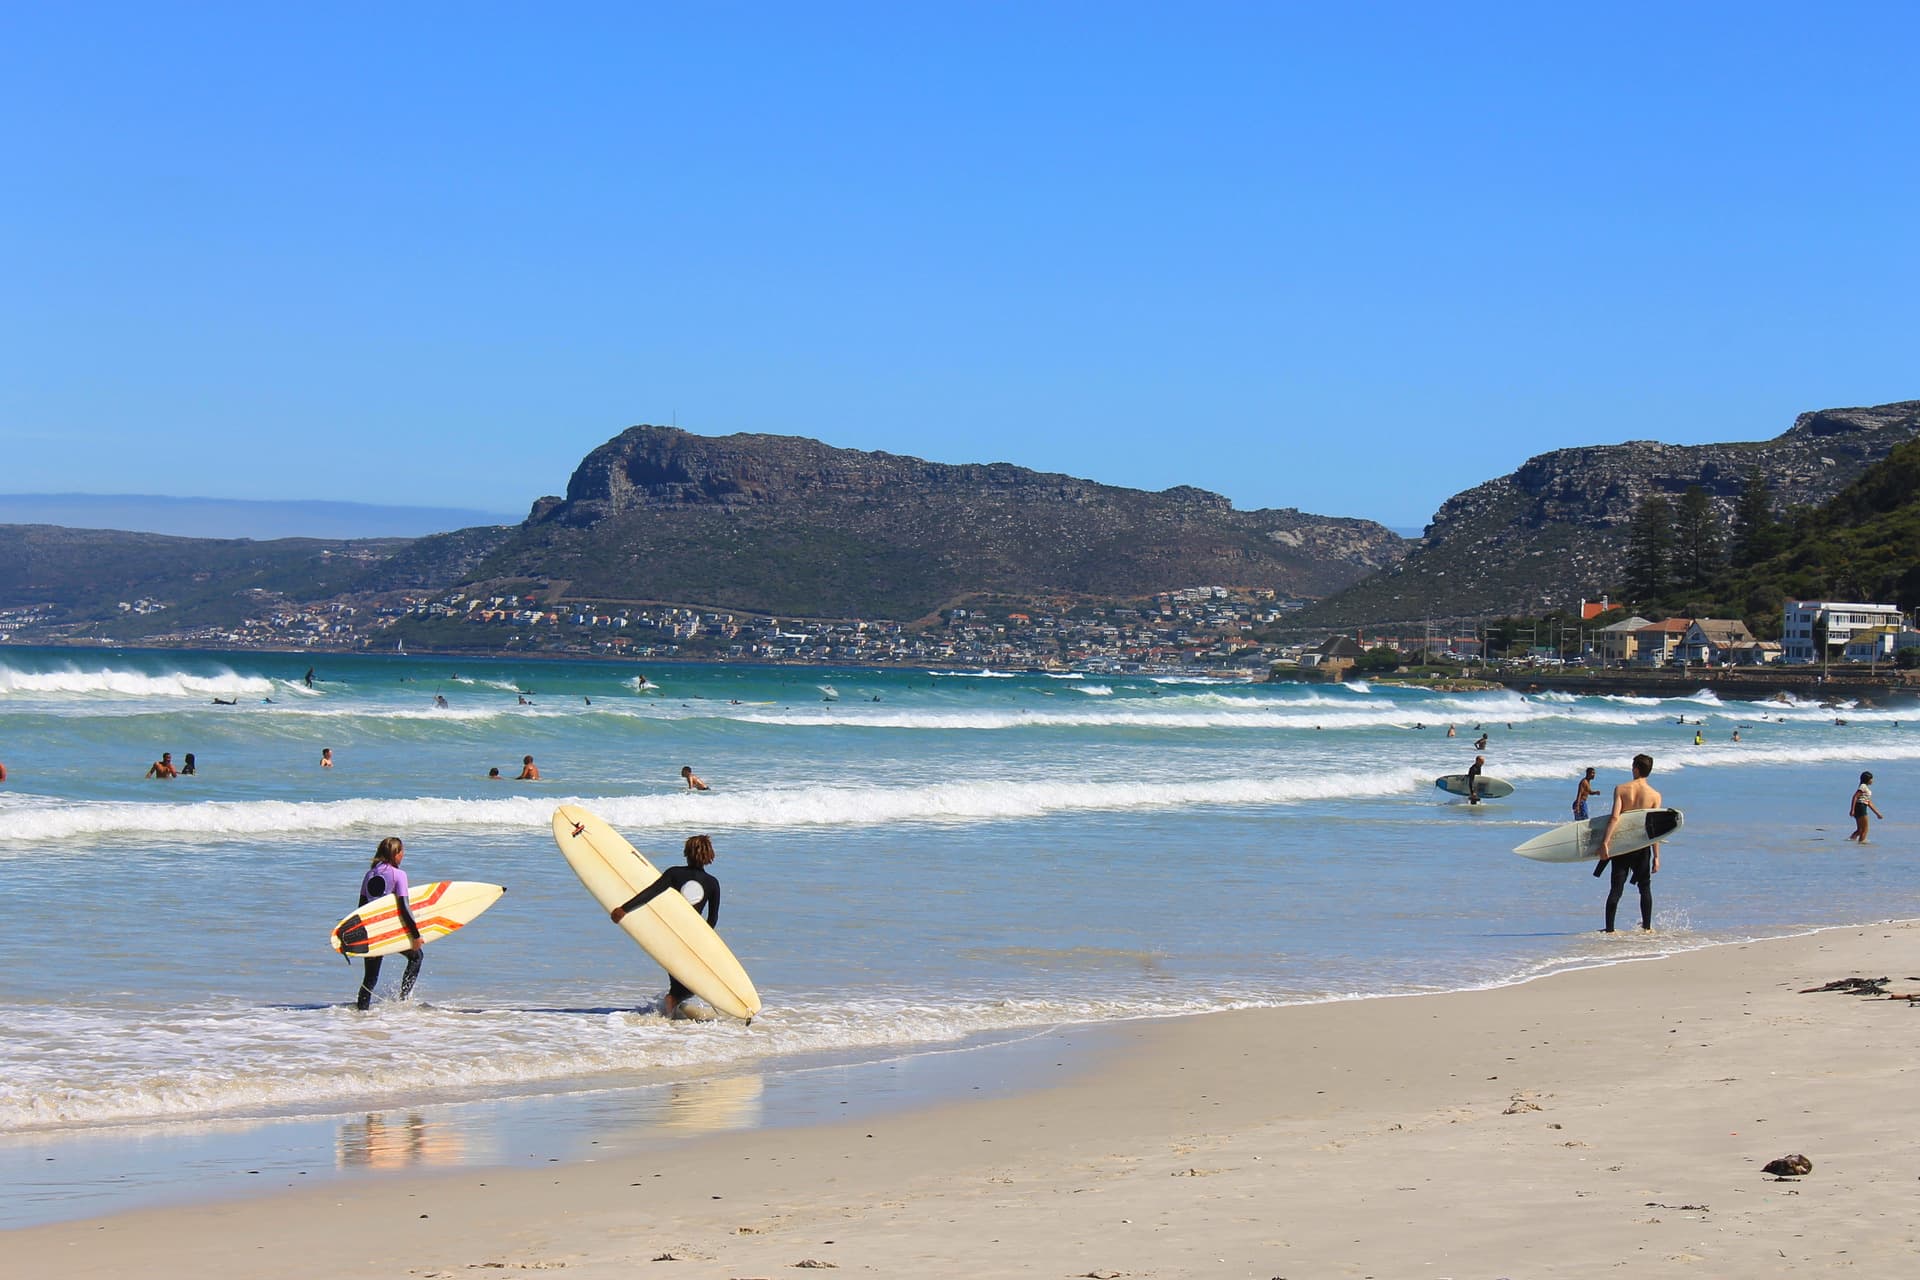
{"x":439,"y":907}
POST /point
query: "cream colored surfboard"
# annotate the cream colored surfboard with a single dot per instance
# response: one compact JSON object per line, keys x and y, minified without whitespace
{"x":669,"y":928}
{"x":439,"y":907}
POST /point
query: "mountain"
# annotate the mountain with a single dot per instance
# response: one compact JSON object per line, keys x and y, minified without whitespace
{"x":1555,"y":531}
{"x":236,"y":517}
{"x":783,"y":524}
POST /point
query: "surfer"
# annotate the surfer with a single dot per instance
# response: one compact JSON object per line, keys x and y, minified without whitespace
{"x":1473,"y":779}
{"x":1635,"y":866}
{"x":697,"y":885}
{"x":1583,"y":794}
{"x":326,"y":757}
{"x":693,"y":782}
{"x":384,"y":877}
{"x":529,"y":771}
{"x":1698,"y":738}
{"x":1450,"y":732}
{"x":1480,"y":743}
{"x":309,"y":677}
{"x":163,"y":767}
{"x":1862,"y":802}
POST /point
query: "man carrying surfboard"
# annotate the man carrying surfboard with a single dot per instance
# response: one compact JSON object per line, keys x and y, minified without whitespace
{"x":1635,"y":865}
{"x":697,"y":885}
{"x":1473,"y":778}
{"x":385,"y":877}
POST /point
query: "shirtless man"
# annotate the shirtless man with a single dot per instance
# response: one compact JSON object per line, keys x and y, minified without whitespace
{"x":1581,"y":796}
{"x":1637,"y":865}
{"x":163,"y":767}
{"x":529,"y":771}
{"x":693,"y":781}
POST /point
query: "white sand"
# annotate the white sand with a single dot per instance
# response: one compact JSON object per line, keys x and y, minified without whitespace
{"x":1594,"y":1121}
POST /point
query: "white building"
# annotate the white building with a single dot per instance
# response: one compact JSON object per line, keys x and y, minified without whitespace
{"x":1797,"y":638}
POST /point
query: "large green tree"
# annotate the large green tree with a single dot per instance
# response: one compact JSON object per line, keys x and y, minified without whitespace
{"x":1696,"y":539}
{"x":1650,"y":548}
{"x":1756,"y":534}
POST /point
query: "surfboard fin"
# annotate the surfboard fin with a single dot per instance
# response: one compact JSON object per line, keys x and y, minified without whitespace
{"x":578,"y":827}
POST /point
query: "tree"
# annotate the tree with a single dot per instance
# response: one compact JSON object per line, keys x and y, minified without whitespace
{"x":1756,"y":534}
{"x":1696,"y":539}
{"x":1382,"y":657}
{"x":1650,"y":548}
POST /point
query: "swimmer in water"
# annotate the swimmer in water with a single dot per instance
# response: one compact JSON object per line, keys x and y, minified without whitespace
{"x":693,"y":783}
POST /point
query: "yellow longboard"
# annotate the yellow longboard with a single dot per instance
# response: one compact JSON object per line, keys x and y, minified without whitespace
{"x":669,"y":928}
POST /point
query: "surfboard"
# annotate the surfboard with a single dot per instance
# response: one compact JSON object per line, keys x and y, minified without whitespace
{"x":439,"y":907}
{"x":669,"y":928}
{"x":1579,"y":840}
{"x":1491,"y":788}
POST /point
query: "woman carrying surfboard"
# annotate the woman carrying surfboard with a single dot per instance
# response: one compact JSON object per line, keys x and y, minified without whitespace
{"x":697,"y":885}
{"x":384,"y":877}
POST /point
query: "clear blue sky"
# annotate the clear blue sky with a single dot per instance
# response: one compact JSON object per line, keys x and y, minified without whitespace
{"x":1351,"y":258}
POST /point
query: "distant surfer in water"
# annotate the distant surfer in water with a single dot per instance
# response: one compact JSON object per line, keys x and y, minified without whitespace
{"x":326,"y":757}
{"x":1635,"y":866}
{"x":529,"y":771}
{"x":697,"y":885}
{"x":1862,"y":802}
{"x":384,"y":877}
{"x":1583,"y":794}
{"x":693,"y":781}
{"x":309,"y":677}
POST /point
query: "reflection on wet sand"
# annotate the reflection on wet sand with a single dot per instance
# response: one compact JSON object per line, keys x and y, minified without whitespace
{"x":380,"y":1142}
{"x":714,"y":1106}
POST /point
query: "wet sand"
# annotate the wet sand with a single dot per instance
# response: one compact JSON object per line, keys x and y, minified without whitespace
{"x":1571,"y":1126}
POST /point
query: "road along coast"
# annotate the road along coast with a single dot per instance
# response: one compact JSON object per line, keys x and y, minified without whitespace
{"x":1610,"y":1116}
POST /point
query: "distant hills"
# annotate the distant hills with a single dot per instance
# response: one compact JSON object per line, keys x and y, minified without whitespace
{"x":1556,"y":530}
{"x":783,"y":524}
{"x":237,"y":517}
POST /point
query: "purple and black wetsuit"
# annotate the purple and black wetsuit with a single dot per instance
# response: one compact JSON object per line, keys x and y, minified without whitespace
{"x":382,"y":879}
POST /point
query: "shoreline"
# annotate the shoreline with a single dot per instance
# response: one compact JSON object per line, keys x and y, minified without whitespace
{"x":1552,"y":1125}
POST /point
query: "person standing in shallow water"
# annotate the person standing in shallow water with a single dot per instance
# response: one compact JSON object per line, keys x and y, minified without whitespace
{"x":697,"y":885}
{"x":1583,"y":794}
{"x":1634,"y":866}
{"x":1862,"y":803}
{"x":384,"y":877}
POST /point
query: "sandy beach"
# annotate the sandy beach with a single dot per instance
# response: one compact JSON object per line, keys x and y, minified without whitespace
{"x":1605,"y":1118}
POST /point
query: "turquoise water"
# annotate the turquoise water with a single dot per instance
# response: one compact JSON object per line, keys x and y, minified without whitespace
{"x":909,"y":859}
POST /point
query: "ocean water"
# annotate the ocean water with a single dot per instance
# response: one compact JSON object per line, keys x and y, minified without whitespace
{"x":911,"y":861}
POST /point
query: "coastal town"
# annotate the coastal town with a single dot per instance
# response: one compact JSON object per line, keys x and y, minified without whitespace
{"x":1222,"y":631}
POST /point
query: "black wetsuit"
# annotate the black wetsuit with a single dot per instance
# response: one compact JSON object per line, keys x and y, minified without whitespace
{"x":1473,"y":783}
{"x":704,"y":893}
{"x":380,"y":881}
{"x":1638,"y":868}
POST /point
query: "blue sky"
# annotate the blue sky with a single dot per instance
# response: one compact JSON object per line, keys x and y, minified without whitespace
{"x":1351,"y":258}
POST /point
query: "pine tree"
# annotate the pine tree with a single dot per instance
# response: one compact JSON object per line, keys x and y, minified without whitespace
{"x":1696,"y":539}
{"x":1756,"y":534}
{"x":1650,"y":548}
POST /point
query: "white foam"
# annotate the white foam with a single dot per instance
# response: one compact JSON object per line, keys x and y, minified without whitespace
{"x":123,"y":682}
{"x":40,"y":828}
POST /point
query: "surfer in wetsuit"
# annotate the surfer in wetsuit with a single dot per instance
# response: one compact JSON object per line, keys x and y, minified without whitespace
{"x":385,"y":877}
{"x":697,"y":885}
{"x":1635,"y":865}
{"x":1473,"y":779}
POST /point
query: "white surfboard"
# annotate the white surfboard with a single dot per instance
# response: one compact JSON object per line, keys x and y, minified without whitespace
{"x":439,"y":907}
{"x":1579,"y":840}
{"x":1491,"y":788}
{"x":669,"y":928}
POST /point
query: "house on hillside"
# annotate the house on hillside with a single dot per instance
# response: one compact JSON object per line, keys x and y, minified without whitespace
{"x":1658,"y":642}
{"x":1618,"y":644}
{"x":1713,"y":641}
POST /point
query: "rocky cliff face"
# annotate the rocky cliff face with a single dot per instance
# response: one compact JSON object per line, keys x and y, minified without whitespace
{"x":1555,"y":531}
{"x":790,"y":525}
